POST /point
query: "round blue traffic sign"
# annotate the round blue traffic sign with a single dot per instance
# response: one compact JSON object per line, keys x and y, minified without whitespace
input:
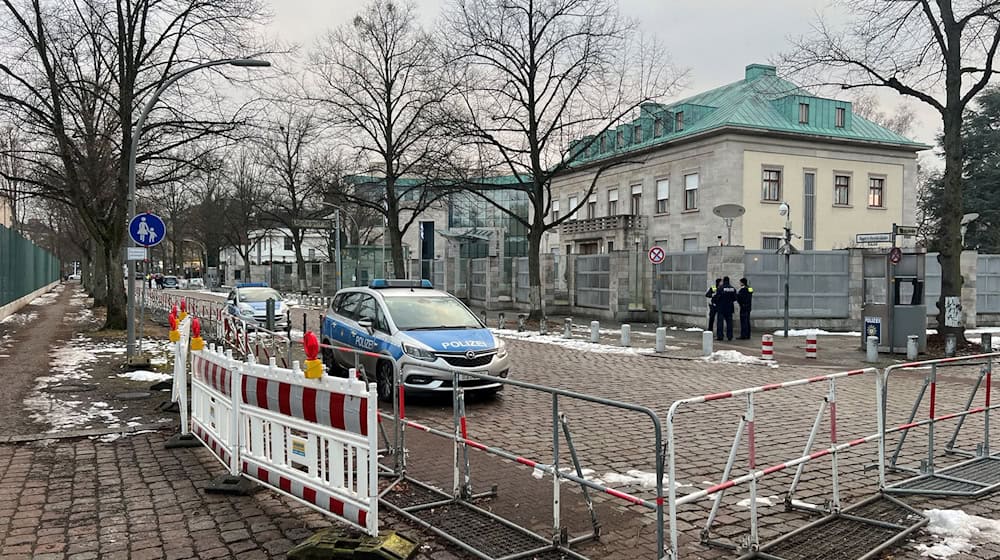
{"x":147,"y":229}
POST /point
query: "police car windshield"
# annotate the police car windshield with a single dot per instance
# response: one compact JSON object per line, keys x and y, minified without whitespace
{"x":430,"y":312}
{"x":255,"y":295}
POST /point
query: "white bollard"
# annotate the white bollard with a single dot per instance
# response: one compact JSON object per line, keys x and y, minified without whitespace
{"x":626,"y":335}
{"x":950,"y":345}
{"x":595,"y":331}
{"x":811,"y":346}
{"x":871,"y":355}
{"x":767,"y":347}
{"x":707,"y":340}
{"x":911,"y":347}
{"x":501,"y":322}
{"x":661,"y":339}
{"x":543,"y":327}
{"x":986,"y":342}
{"x":568,"y":327}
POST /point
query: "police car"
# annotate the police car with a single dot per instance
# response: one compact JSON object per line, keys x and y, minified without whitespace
{"x":429,"y":333}
{"x":249,"y":302}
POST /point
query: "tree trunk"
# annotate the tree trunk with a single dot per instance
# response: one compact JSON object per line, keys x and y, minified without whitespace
{"x":300,"y":262}
{"x":951,"y":220}
{"x":116,"y":302}
{"x":536,"y":295}
{"x":246,"y":266}
{"x":396,"y":246}
{"x":100,"y":287}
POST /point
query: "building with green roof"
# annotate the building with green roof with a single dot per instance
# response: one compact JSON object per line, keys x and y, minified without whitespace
{"x":756,"y":143}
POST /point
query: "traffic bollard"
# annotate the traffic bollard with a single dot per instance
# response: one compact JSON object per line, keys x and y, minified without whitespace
{"x":871,"y":354}
{"x":484,"y":317}
{"x":501,"y":322}
{"x":811,"y":346}
{"x":707,"y":340}
{"x":911,"y":347}
{"x":595,"y":331}
{"x":568,"y":327}
{"x":767,"y":347}
{"x":626,"y":335}
{"x":986,"y":342}
{"x":543,"y":327}
{"x":520,"y":322}
{"x":950,"y":345}
{"x":661,"y":339}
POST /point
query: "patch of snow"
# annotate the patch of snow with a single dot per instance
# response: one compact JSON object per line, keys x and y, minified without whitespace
{"x":815,"y":332}
{"x":737,"y":357}
{"x":537,"y":473}
{"x":47,"y":298}
{"x":635,"y":478}
{"x":20,"y":319}
{"x":765,"y":502}
{"x":612,"y":332}
{"x":109,"y":438}
{"x":146,"y":376}
{"x":571,"y":343}
{"x":958,"y":532}
{"x":693,"y":329}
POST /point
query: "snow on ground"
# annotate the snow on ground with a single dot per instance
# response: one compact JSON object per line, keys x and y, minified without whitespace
{"x":610,"y":332}
{"x":47,"y":298}
{"x":737,"y":357}
{"x":573,"y":343}
{"x":20,"y":319}
{"x":816,"y":332}
{"x":146,"y":376}
{"x":765,"y":502}
{"x":957,"y":532}
{"x":635,"y":478}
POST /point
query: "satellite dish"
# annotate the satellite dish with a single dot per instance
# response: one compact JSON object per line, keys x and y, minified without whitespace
{"x":729,"y":211}
{"x":969,"y":218}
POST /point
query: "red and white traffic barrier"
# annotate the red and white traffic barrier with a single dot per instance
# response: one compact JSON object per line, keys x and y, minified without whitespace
{"x":767,"y":347}
{"x":811,"y":346}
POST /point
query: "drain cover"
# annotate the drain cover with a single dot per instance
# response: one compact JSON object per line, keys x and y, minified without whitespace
{"x":72,"y":388}
{"x":133,"y":396}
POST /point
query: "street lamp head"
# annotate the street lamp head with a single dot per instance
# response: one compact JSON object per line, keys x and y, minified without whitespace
{"x":783,"y":209}
{"x":249,"y":62}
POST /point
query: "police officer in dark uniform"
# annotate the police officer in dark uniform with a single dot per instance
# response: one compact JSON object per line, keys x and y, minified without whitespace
{"x":713,"y":298}
{"x":745,"y":298}
{"x":725,"y":307}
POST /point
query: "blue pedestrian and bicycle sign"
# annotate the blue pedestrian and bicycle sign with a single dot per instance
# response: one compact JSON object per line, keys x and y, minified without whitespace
{"x":147,"y":229}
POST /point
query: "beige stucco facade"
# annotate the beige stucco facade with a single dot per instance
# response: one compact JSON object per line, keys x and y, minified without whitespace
{"x":6,"y":217}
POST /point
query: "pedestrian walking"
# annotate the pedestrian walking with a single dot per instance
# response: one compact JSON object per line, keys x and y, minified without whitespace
{"x":726,"y":304}
{"x":713,"y":297}
{"x":744,"y":297}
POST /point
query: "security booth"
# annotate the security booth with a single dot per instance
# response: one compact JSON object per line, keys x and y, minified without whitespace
{"x":894,"y":307}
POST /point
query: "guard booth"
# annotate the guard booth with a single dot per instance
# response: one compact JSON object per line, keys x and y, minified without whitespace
{"x":894,"y":307}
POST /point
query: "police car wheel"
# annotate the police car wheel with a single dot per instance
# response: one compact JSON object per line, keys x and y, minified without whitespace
{"x":383,"y":377}
{"x":332,"y":367}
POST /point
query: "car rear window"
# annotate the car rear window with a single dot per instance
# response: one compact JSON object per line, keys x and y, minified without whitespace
{"x":429,"y":312}
{"x":253,"y":295}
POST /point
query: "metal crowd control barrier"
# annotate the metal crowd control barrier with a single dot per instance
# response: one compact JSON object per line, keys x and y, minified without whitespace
{"x":980,"y":473}
{"x":425,"y":512}
{"x":881,"y":513}
{"x":310,"y":439}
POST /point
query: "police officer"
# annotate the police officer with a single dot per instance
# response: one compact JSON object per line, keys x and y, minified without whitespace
{"x":726,"y":304}
{"x":713,"y":297}
{"x":745,"y":298}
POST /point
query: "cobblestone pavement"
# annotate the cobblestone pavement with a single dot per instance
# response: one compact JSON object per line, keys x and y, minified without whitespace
{"x":132,"y":498}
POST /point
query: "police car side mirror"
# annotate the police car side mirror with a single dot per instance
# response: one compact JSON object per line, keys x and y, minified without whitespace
{"x":367,"y":325}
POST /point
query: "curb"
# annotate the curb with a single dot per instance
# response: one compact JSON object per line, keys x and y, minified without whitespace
{"x":86,"y":433}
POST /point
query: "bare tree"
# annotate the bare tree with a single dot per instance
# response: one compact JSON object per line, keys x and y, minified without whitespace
{"x":537,"y":74}
{"x":940,"y":53}
{"x":866,"y":105}
{"x":379,"y":77}
{"x":245,"y":194}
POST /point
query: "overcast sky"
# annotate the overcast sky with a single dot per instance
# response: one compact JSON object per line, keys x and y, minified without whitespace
{"x":714,"y":39}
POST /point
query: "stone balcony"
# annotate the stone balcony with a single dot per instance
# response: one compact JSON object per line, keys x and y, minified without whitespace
{"x":621,"y":222}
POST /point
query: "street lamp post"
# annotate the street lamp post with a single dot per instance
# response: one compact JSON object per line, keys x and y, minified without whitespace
{"x":136,"y":132}
{"x":786,"y":211}
{"x":357,"y":249}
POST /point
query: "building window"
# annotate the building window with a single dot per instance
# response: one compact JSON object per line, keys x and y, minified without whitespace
{"x":876,"y":192}
{"x":603,"y":143}
{"x":637,"y":134}
{"x":662,"y":196}
{"x":657,"y":127}
{"x":288,"y":269}
{"x":770,"y":243}
{"x":839,"y":117}
{"x":679,"y":121}
{"x":555,"y":210}
{"x":841,"y":190}
{"x":612,"y":202}
{"x":636,"y":200}
{"x":592,"y":207}
{"x":621,"y":139}
{"x":803,"y":113}
{"x":691,"y":191}
{"x":288,"y":243}
{"x":611,"y":246}
{"x":571,"y":210}
{"x":316,"y":270}
{"x":690,"y":244}
{"x":771,"y":185}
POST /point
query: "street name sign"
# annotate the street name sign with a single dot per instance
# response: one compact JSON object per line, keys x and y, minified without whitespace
{"x":135,"y":253}
{"x":873,"y":238}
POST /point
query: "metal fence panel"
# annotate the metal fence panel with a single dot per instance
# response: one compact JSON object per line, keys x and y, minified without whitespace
{"x":818,"y":284}
{"x":988,"y":284}
{"x":24,"y":267}
{"x":932,"y":283}
{"x":523,"y":294}
{"x":438,"y":272}
{"x":478,"y":285}
{"x":682,"y":283}
{"x":593,"y":281}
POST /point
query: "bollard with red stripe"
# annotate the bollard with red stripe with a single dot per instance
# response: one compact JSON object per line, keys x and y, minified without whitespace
{"x":811,"y":346}
{"x":767,"y":347}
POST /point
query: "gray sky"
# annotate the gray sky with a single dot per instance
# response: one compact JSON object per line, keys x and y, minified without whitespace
{"x":715,"y":39}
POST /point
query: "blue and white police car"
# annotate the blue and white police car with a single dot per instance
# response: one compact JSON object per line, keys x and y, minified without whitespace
{"x":249,"y":302}
{"x":428,"y":333}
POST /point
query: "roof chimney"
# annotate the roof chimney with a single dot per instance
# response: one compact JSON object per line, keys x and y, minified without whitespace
{"x":754,"y":71}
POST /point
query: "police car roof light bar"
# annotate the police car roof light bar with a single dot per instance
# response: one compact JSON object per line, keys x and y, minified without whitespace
{"x":380,"y":283}
{"x":252,"y":285}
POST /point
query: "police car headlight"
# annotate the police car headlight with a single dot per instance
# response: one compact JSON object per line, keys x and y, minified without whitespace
{"x":501,"y":348}
{"x":419,"y":353}
{"x":246,"y":310}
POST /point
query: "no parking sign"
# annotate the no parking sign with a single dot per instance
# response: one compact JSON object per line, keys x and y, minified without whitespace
{"x":656,"y":254}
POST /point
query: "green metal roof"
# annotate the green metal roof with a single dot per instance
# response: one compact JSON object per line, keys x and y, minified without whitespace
{"x":761,"y":101}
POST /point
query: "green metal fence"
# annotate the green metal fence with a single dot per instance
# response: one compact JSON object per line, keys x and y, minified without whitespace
{"x":24,"y":267}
